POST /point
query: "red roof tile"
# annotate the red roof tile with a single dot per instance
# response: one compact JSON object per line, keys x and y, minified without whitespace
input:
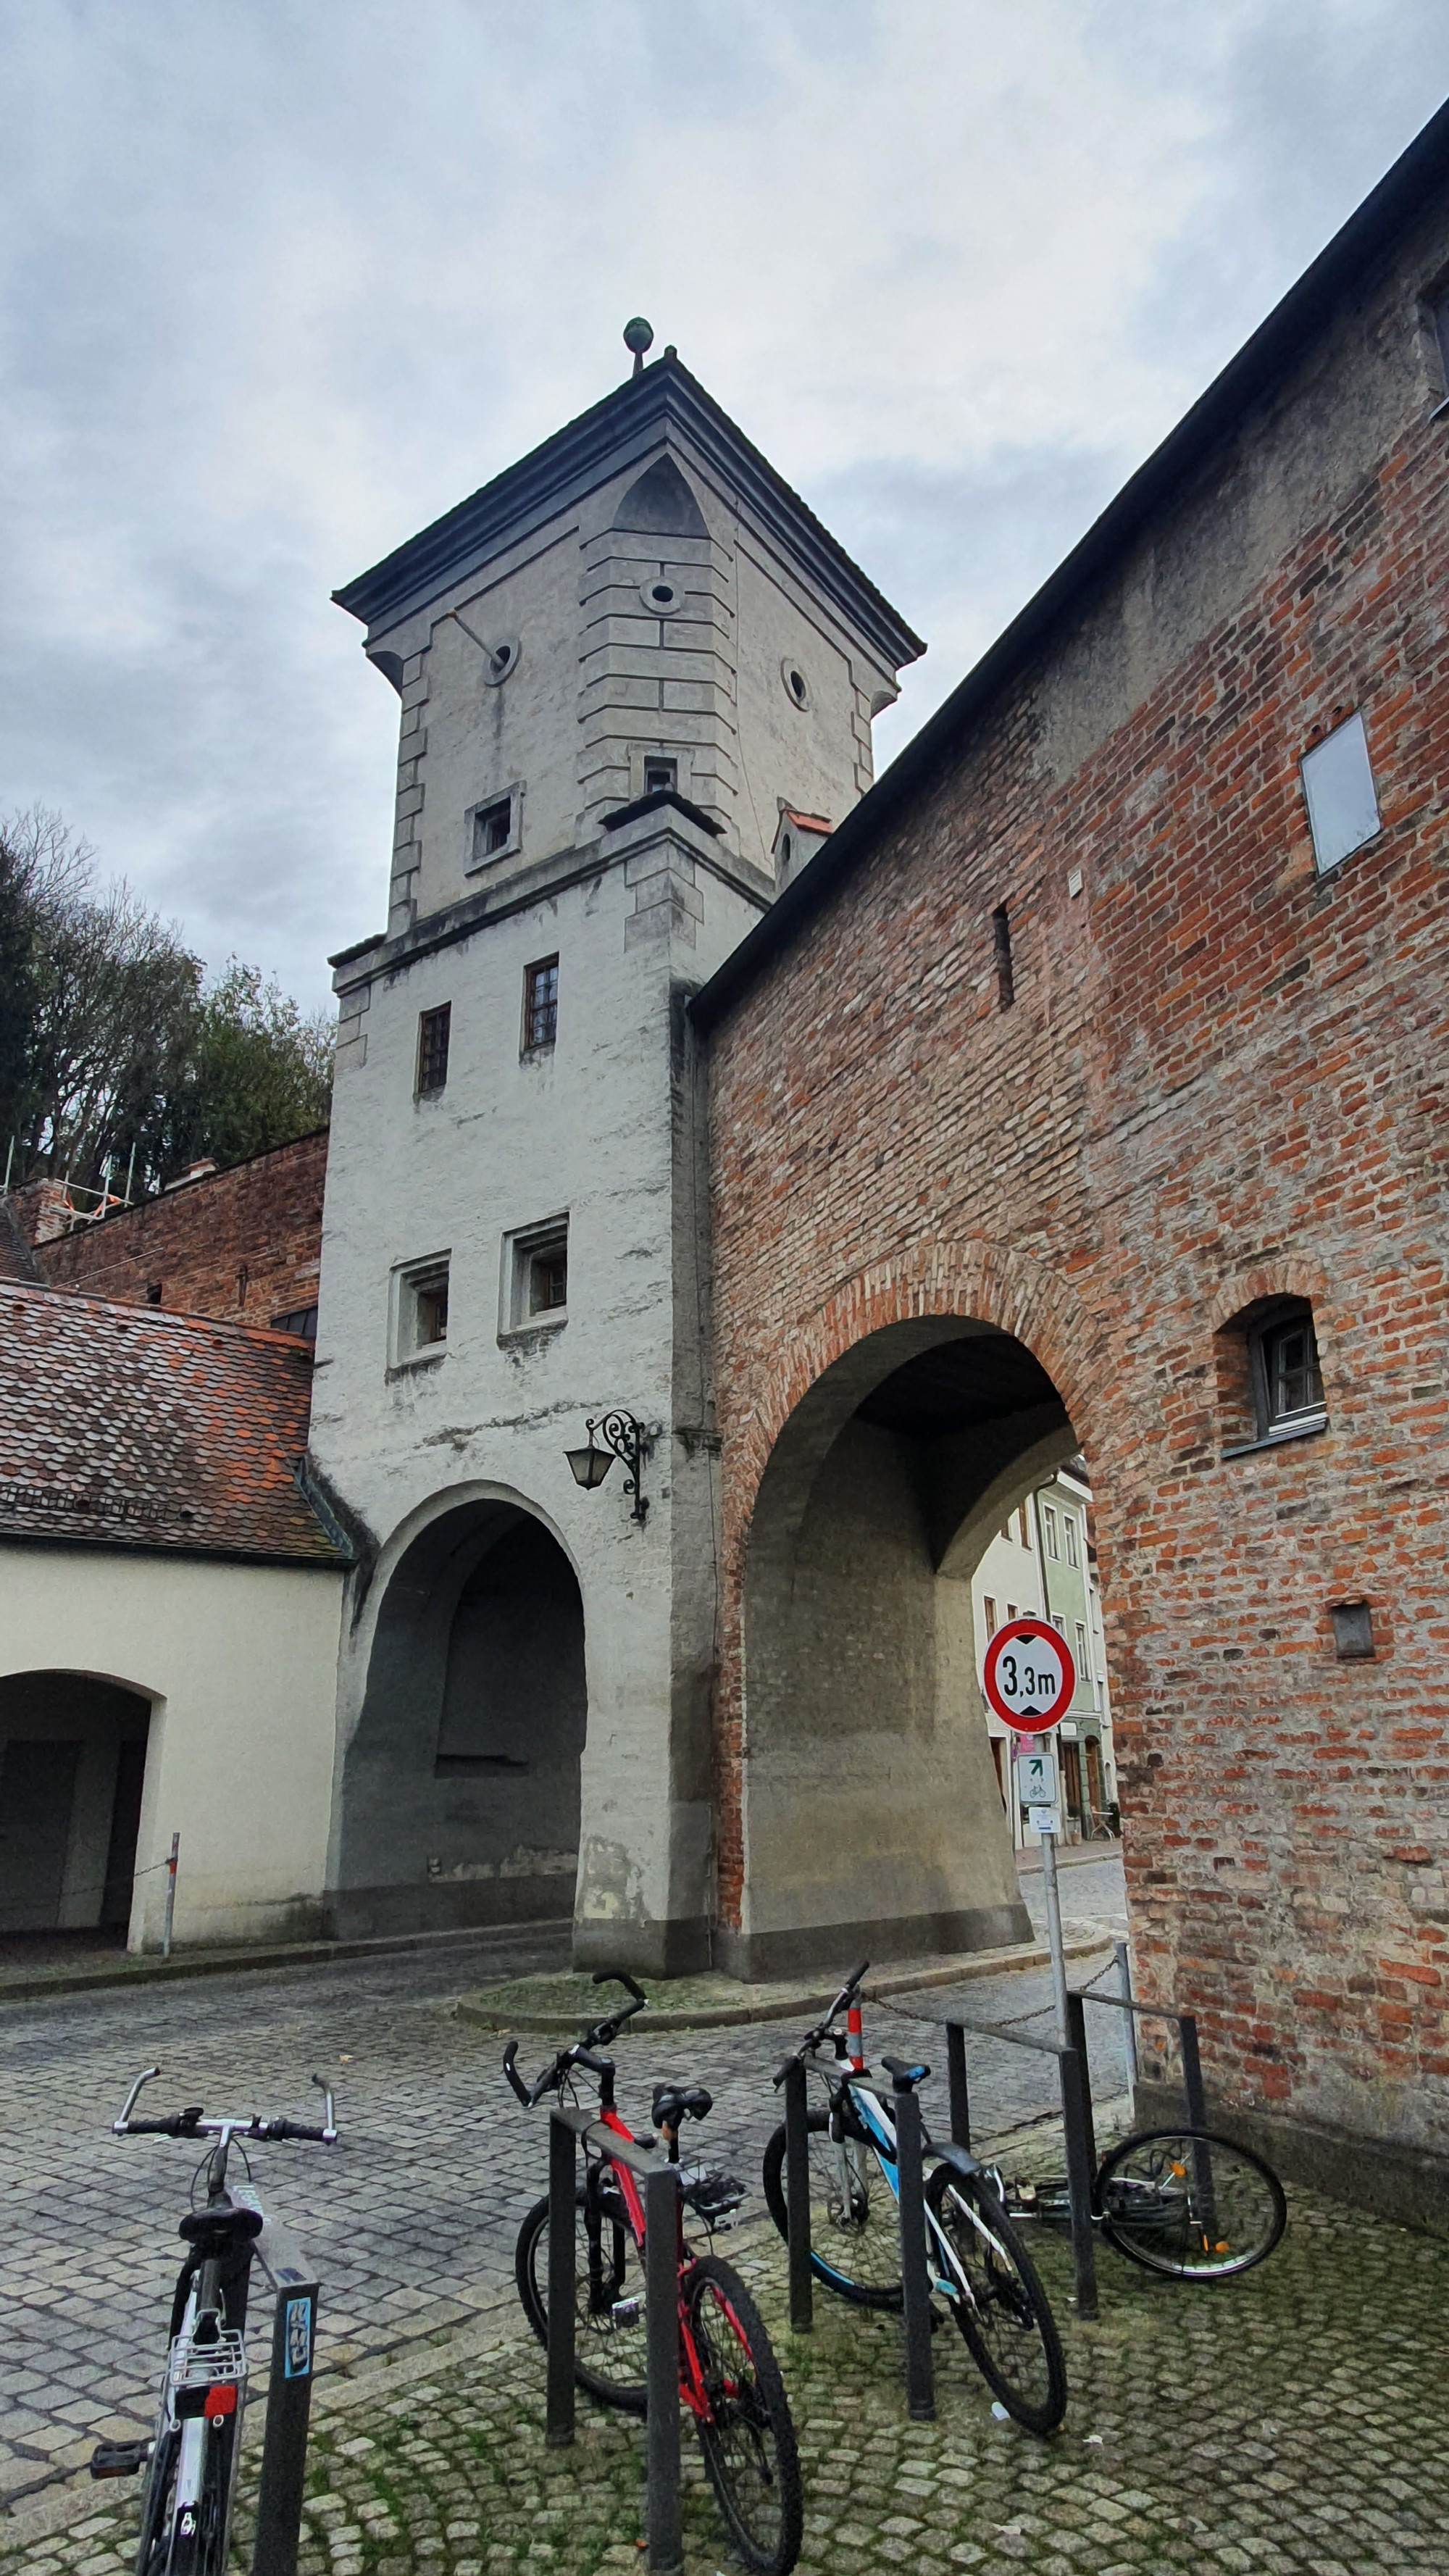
{"x":121,"y":1426}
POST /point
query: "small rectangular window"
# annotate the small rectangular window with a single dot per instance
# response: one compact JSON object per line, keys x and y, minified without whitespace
{"x":540,"y":1005}
{"x":1059,"y":1623}
{"x":420,"y":1326}
{"x":660,"y":775}
{"x":492,"y":827}
{"x":1069,"y":1538}
{"x":1287,"y":1379}
{"x":536,"y":1277}
{"x":302,"y":1321}
{"x":988,"y":1613}
{"x":1081,"y":1651}
{"x":433,"y":1034}
{"x":1049,"y":1531}
{"x":1338,"y":788}
{"x":1024,"y":1525}
{"x":1001,"y":941}
{"x":1012,"y":1612}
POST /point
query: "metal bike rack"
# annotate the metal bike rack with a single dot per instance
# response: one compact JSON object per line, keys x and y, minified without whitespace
{"x":915,"y":2279}
{"x":1076,"y":2124}
{"x":797,"y":2199}
{"x":289,"y":2402}
{"x":661,"y":2312}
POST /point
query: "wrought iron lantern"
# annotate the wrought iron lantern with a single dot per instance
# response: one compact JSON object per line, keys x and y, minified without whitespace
{"x":610,"y":1436}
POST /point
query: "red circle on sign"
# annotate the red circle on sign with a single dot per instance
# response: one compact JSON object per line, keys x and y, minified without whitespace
{"x":1029,"y":1676}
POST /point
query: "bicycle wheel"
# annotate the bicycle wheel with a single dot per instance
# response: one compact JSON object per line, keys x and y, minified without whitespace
{"x":997,"y":2300}
{"x":609,"y":2329}
{"x":747,"y":2437}
{"x":1188,"y":2204}
{"x":855,"y":2237}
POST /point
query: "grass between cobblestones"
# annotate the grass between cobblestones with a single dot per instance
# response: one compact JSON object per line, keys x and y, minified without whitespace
{"x":1292,"y":2420}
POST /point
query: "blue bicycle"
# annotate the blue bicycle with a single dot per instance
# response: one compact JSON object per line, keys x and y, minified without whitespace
{"x":975,"y":2261}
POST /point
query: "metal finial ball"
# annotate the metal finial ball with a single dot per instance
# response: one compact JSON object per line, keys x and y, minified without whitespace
{"x":638,"y":335}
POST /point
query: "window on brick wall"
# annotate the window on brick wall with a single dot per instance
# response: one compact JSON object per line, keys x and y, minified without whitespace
{"x":302,"y":1320}
{"x":434,"y":1029}
{"x":540,"y":1005}
{"x":1270,"y":1378}
{"x":1001,"y":946}
{"x":1338,"y":789}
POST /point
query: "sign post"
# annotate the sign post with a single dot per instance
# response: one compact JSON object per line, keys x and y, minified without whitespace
{"x":1029,"y":1679}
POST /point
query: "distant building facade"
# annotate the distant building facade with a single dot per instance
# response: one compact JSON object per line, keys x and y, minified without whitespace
{"x":1040,"y":1564}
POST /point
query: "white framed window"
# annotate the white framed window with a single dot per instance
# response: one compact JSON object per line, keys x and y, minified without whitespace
{"x":1082,"y":1672}
{"x":494,"y":828}
{"x":1049,"y":1532}
{"x":1286,"y":1374}
{"x":1338,"y":789}
{"x":420,"y":1310}
{"x":536,"y":1277}
{"x":988,"y":1613}
{"x":1069,"y":1538}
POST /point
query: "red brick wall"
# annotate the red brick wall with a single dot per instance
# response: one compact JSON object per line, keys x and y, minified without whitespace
{"x":1222,"y":1078}
{"x":243,"y":1245}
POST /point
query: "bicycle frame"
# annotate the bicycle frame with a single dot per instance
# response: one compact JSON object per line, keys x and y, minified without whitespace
{"x":869,"y":2108}
{"x":691,"y":2377}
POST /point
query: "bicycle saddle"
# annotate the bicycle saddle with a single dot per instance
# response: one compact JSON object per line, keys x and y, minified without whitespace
{"x":908,"y":2073}
{"x":216,"y":2231}
{"x":673,"y":2103}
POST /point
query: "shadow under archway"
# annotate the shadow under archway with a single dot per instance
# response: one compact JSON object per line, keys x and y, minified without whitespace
{"x":872,"y":1819}
{"x":459,"y":1795}
{"x":72,"y":1771}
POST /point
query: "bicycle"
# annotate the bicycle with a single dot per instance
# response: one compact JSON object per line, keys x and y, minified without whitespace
{"x":729,"y":2380}
{"x":974,"y":2259}
{"x":192,"y":2457}
{"x":1183,"y":2203}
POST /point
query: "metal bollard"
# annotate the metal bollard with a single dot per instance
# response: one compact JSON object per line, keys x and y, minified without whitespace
{"x":561,"y":2266}
{"x":797,"y":2199}
{"x":284,"y":2445}
{"x":661,"y":2301}
{"x":915,"y":2280}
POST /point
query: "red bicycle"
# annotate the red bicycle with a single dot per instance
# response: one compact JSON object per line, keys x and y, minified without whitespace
{"x":729,"y":2379}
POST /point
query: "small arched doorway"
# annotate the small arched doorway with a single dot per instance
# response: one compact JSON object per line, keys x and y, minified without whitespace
{"x":873,"y":1820}
{"x":72,"y":1770}
{"x":459,"y":1797}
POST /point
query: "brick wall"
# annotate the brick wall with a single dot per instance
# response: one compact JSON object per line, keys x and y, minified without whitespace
{"x":244,"y":1245}
{"x":1223,"y":1078}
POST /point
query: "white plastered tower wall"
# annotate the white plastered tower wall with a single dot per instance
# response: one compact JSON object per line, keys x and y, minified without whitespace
{"x":640,"y":602}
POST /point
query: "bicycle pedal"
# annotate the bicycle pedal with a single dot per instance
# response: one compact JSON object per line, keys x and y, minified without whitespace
{"x":119,"y":2459}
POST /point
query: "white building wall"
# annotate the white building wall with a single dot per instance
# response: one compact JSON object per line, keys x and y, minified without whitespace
{"x":239,"y":1665}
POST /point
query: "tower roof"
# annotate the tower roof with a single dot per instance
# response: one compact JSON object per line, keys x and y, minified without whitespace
{"x":623,"y":429}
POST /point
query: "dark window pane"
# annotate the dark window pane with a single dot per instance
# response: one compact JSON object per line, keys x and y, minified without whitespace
{"x":493,"y":827}
{"x":433,"y":1032}
{"x":548,"y":1279}
{"x":1295,"y":1383}
{"x":540,"y":1004}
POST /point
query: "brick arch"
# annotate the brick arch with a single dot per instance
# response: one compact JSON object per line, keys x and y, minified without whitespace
{"x":974,"y":1279}
{"x":1287,"y":1275}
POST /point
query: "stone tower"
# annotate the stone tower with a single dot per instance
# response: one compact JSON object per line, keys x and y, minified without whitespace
{"x":637,"y":682}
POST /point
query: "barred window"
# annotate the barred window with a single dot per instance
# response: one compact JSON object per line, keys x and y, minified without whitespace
{"x":540,"y":1005}
{"x":433,"y":1032}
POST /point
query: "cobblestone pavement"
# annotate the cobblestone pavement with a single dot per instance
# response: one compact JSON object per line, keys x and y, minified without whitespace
{"x":87,"y":2221}
{"x":1286,"y":2424}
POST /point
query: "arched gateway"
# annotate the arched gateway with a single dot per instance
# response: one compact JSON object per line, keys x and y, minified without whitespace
{"x":459,"y":1792}
{"x":869,"y":1813}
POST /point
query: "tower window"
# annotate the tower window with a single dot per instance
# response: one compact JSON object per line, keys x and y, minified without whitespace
{"x":540,"y":1005}
{"x":660,"y":776}
{"x":1005,"y":974}
{"x":433,"y":1035}
{"x":1288,"y":1372}
{"x":420,"y":1320}
{"x":1338,"y":788}
{"x":536,"y":1276}
{"x":493,"y":827}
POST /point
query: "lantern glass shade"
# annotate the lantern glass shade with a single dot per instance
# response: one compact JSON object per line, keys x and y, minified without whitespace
{"x":590,"y":1465}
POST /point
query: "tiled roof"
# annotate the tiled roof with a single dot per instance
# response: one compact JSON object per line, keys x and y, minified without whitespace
{"x":17,"y":1261}
{"x":121,"y":1426}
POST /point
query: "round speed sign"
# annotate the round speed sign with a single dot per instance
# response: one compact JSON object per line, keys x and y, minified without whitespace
{"x":1030,"y":1675}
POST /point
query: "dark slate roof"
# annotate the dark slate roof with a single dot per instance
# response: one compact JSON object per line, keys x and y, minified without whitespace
{"x":627,"y":425}
{"x":1250,"y":378}
{"x":124,"y":1426}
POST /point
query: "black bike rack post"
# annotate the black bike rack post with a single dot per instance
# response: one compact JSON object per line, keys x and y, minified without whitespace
{"x":915,"y":2279}
{"x":665,"y":2540}
{"x":960,"y":2099}
{"x":1194,"y":2094}
{"x":797,"y":2198}
{"x":1076,"y":2098}
{"x":284,"y":2444}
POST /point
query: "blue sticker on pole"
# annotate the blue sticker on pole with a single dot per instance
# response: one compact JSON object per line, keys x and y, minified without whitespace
{"x":297,"y":2340}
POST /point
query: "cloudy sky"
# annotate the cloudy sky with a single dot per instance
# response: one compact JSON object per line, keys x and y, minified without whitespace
{"x":280,"y":280}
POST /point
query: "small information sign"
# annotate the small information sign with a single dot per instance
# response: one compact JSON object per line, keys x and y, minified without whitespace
{"x":1044,"y":1820}
{"x":1036,"y":1778}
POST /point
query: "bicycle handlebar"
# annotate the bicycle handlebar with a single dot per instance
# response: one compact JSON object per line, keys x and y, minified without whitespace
{"x":580,"y":2052}
{"x":192,"y":2123}
{"x":813,"y":2038}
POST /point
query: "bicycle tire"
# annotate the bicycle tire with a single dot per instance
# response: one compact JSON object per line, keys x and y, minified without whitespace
{"x":609,"y":2359}
{"x":1150,"y":2195}
{"x":190,"y":2541}
{"x":864,"y":2263}
{"x":748,"y":2439}
{"x":1006,"y":2321}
